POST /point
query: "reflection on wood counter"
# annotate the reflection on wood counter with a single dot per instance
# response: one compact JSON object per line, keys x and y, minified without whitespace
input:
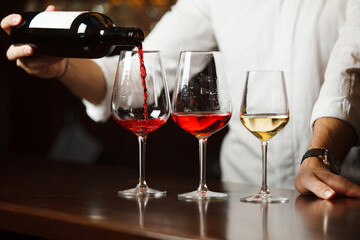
{"x":59,"y":200}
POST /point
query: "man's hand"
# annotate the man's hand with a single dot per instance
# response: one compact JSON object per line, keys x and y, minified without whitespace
{"x":44,"y":67}
{"x":314,"y":178}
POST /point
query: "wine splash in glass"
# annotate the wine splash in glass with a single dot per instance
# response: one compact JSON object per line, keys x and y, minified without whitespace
{"x":264,"y":112}
{"x":140,"y":103}
{"x":201,"y":106}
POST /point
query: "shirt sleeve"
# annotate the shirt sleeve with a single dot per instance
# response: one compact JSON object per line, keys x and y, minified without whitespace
{"x":101,"y":112}
{"x":187,"y":26}
{"x":340,"y":93}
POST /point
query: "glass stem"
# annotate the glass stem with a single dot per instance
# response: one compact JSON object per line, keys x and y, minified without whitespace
{"x":264,"y":187}
{"x":142,"y":153}
{"x":202,"y":160}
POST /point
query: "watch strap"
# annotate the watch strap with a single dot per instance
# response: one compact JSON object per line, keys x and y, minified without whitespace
{"x":327,"y":157}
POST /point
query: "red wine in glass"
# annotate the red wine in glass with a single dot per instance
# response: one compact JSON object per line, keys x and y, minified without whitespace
{"x":140,"y":104}
{"x":141,"y":127}
{"x":201,"y":124}
{"x":201,"y":106}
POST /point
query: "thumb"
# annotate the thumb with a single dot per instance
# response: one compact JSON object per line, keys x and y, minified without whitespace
{"x":310,"y":182}
{"x":323,"y":191}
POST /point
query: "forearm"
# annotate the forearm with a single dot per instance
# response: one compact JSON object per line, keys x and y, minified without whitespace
{"x":332,"y":134}
{"x":85,"y":79}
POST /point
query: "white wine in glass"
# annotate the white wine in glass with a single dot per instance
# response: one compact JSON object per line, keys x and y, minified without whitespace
{"x":264,"y":126}
{"x":264,"y":112}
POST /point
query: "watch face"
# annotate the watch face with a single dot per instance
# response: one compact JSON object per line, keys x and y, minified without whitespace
{"x":333,"y":162}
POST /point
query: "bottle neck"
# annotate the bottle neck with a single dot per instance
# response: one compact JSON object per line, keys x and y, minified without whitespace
{"x":124,"y":36}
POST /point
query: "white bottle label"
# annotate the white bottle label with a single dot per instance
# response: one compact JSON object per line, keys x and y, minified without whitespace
{"x":54,"y":19}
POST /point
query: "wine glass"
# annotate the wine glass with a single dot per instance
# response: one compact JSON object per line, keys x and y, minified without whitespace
{"x":201,"y":105}
{"x":264,"y":112}
{"x":140,"y":103}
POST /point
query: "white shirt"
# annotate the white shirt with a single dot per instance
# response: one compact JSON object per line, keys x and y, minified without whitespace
{"x":296,"y":36}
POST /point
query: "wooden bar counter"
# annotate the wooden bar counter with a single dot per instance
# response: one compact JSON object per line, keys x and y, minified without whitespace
{"x":56,"y":200}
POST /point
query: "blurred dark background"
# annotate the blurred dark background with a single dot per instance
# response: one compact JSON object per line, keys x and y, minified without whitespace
{"x":42,"y":118}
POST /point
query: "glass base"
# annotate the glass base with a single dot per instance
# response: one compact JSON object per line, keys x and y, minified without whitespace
{"x":264,"y":198}
{"x":200,"y":195}
{"x":138,"y":192}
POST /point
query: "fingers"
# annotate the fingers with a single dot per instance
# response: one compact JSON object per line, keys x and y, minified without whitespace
{"x":50,"y":8}
{"x":15,"y":19}
{"x":10,"y":21}
{"x":325,"y":185}
{"x":39,"y":62}
{"x":43,"y":67}
{"x":15,"y":52}
{"x":342,"y":186}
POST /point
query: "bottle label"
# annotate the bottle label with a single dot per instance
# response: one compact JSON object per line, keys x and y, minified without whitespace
{"x":54,"y":19}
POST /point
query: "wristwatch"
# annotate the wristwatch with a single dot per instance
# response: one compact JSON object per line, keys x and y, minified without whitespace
{"x":327,"y":157}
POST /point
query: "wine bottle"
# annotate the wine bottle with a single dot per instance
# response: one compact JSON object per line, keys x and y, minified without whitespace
{"x":73,"y":34}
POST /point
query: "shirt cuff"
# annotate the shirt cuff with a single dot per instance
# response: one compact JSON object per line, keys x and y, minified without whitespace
{"x":339,"y":108}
